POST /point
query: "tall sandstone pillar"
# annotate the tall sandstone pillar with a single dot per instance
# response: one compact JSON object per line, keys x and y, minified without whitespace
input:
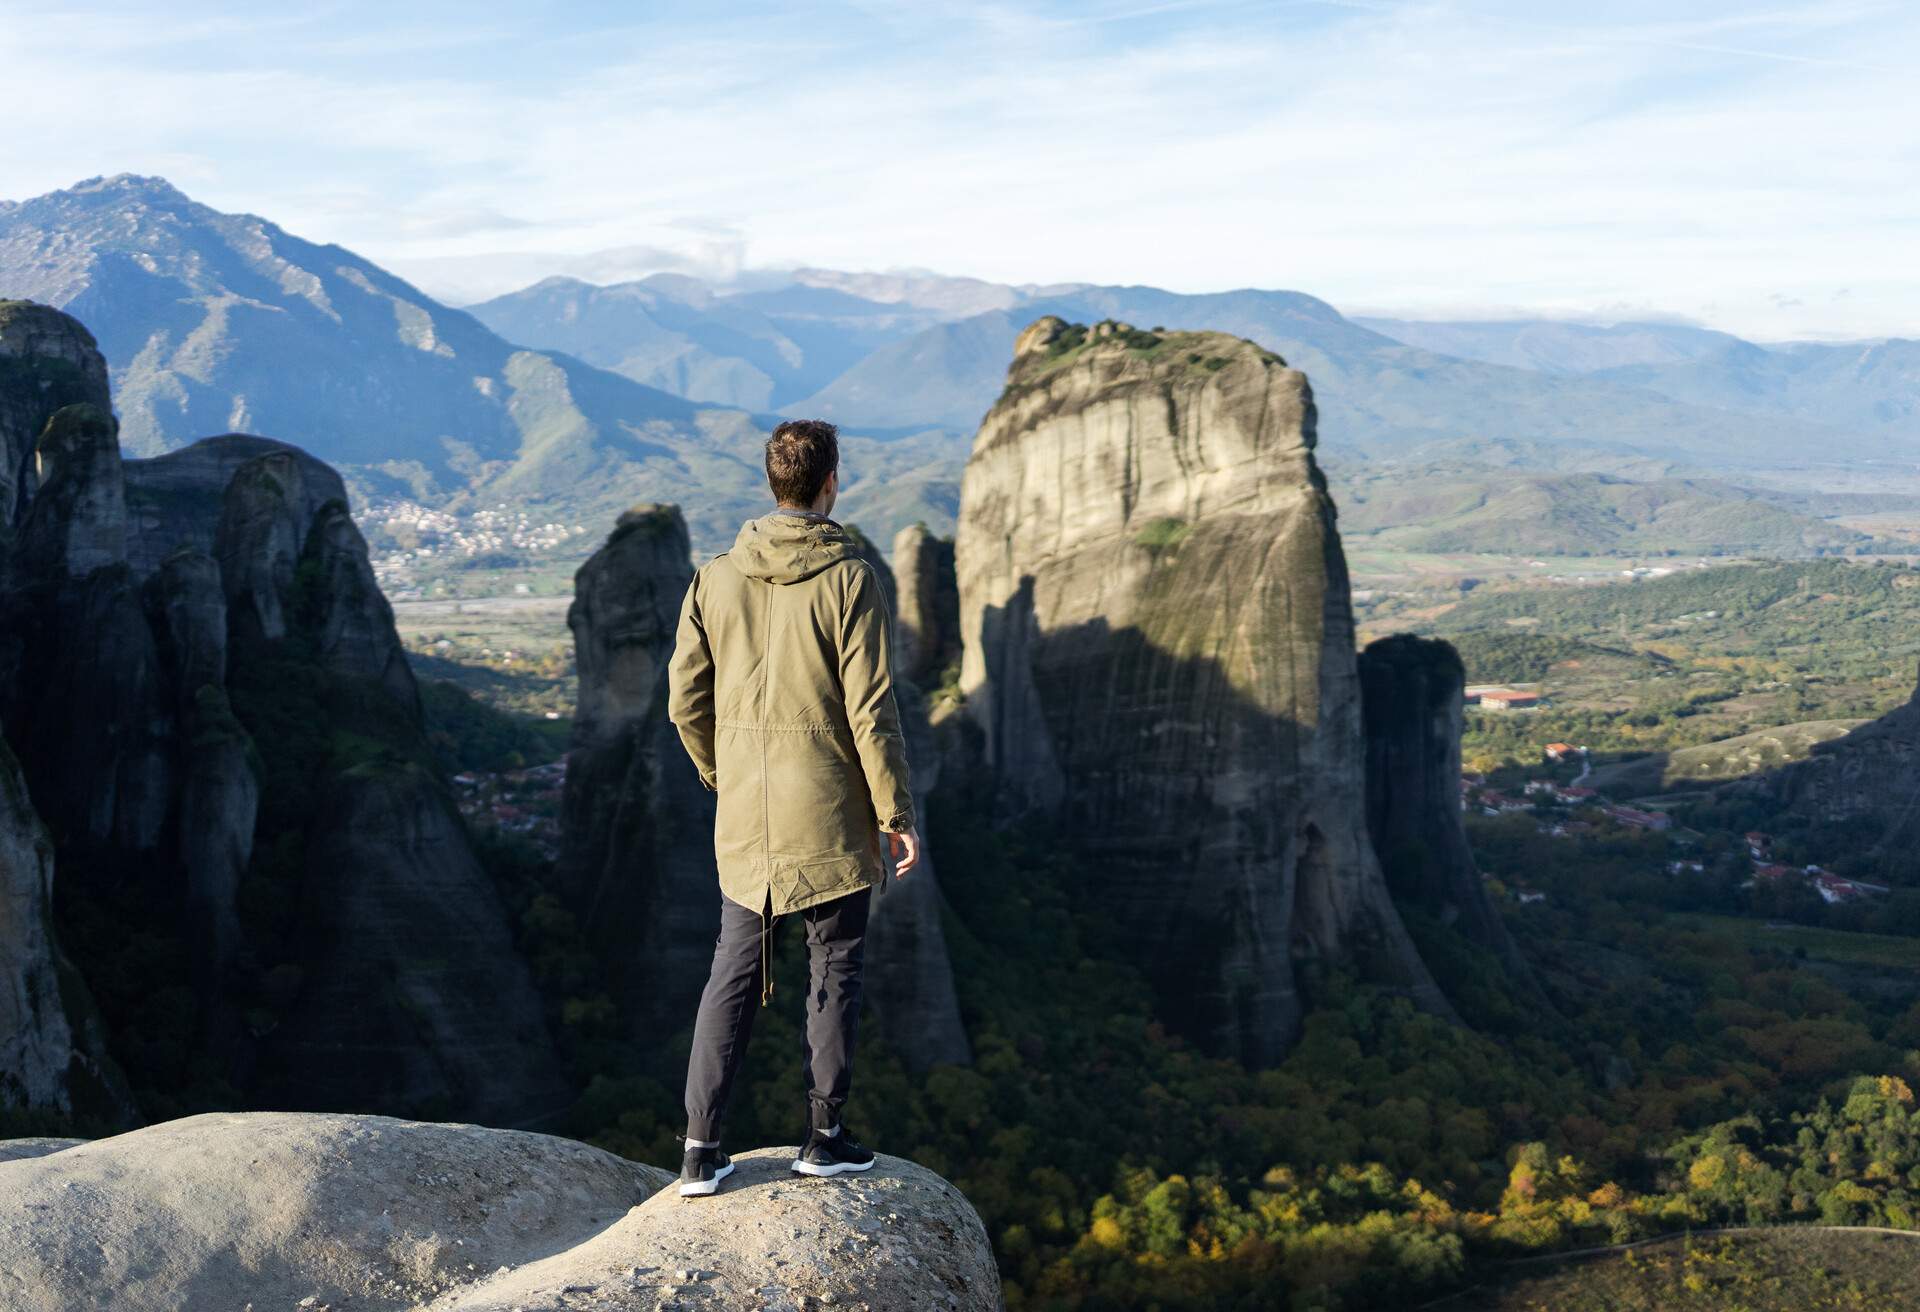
{"x":1413,"y":693}
{"x":910,"y":985}
{"x":1159,"y":651}
{"x":636,"y":857}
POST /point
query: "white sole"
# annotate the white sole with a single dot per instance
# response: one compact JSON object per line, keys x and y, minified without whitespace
{"x":701,"y":1188}
{"x":838,"y":1168}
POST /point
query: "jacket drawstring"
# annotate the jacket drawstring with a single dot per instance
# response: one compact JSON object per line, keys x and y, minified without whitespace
{"x":766,"y":952}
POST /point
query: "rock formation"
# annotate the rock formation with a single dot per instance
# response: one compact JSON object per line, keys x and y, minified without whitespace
{"x":36,"y":1043}
{"x":194,"y":654}
{"x":1412,"y":694}
{"x":910,"y":988}
{"x":277,"y":1210}
{"x":1863,"y":783}
{"x":636,"y":860}
{"x":47,"y":361}
{"x":1159,"y":653}
{"x":929,"y":605}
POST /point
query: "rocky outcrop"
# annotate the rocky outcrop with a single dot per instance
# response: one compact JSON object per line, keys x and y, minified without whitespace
{"x":195,"y":656}
{"x":1863,"y":783}
{"x":413,"y":994}
{"x":636,"y":860}
{"x":1159,"y":653}
{"x":335,"y":1211}
{"x":219,"y":790}
{"x":1412,"y":693}
{"x":47,"y":362}
{"x":36,"y":1043}
{"x":910,"y":986}
{"x":85,"y":692}
{"x":53,"y":1052}
{"x":896,"y":1237}
{"x":929,"y":605}
{"x":76,"y":521}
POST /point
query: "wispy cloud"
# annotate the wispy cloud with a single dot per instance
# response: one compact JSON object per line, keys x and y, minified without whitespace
{"x":1732,"y":164}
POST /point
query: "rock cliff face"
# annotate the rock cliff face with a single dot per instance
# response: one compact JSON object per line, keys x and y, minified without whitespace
{"x":333,"y":1211}
{"x":636,"y":861}
{"x":47,"y":361}
{"x":1412,"y":692}
{"x":36,"y":1043}
{"x":204,"y":688}
{"x":1159,"y":653}
{"x":910,"y":986}
{"x":1865,"y":781}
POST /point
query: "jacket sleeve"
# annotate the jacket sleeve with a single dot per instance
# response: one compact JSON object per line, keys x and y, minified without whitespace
{"x":690,"y":686}
{"x":866,"y":681}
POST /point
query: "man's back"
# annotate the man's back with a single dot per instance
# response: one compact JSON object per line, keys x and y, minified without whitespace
{"x":781,"y":689}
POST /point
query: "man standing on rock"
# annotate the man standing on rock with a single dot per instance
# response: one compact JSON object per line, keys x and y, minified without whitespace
{"x":781,"y":686}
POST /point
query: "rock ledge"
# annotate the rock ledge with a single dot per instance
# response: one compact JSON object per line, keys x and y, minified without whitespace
{"x":358,"y":1213}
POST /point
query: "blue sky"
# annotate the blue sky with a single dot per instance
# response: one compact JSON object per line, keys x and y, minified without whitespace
{"x":1754,"y":167}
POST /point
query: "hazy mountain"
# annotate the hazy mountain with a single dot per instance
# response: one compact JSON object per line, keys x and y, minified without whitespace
{"x":1376,"y":396}
{"x":758,"y":350}
{"x":215,"y":322}
{"x":1865,"y":387}
{"x":1556,"y":347}
{"x":576,"y":400}
{"x":1869,"y":388}
{"x":951,"y":297}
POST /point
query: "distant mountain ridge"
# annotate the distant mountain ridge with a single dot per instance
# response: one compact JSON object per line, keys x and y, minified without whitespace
{"x":577,"y":399}
{"x":216,"y":322}
{"x":1556,"y":346}
{"x":1870,"y":386}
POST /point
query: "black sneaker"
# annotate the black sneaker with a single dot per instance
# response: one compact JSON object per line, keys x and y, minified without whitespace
{"x":831,"y":1154}
{"x":702,"y":1171}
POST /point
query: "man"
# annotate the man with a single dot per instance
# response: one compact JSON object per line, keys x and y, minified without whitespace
{"x":781,"y":687}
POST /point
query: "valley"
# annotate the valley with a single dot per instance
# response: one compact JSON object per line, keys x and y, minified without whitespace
{"x":1552,"y":972}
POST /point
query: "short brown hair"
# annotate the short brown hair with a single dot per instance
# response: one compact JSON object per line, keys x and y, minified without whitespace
{"x":800,"y":455}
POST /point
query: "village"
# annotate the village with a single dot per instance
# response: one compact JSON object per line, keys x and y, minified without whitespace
{"x":409,"y":538}
{"x":1572,"y":810}
{"x":521,"y":802}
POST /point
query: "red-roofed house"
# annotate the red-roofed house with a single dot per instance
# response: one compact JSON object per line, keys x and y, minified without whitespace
{"x":1638,"y":819}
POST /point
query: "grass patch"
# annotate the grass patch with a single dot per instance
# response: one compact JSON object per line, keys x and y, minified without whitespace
{"x":1163,"y":533}
{"x":1883,"y":951}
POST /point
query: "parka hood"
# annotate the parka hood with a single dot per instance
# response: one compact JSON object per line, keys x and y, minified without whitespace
{"x":780,"y":548}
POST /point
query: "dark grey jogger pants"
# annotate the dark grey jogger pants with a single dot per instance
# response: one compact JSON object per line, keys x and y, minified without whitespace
{"x":836,"y":946}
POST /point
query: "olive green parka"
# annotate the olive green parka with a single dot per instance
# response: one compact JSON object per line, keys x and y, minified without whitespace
{"x":781,"y":687}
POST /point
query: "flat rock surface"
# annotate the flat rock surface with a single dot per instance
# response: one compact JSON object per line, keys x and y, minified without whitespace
{"x":893,"y":1239}
{"x":13,"y":1150}
{"x":227,"y":1210}
{"x":347,"y":1213}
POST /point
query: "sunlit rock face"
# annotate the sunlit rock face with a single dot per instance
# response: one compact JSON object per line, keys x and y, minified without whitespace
{"x":1159,"y":653}
{"x":928,"y":605}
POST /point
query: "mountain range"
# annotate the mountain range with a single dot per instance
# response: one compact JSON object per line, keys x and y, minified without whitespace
{"x":572,"y":400}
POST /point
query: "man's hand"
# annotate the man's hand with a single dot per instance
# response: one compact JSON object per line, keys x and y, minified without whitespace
{"x":904,"y":848}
